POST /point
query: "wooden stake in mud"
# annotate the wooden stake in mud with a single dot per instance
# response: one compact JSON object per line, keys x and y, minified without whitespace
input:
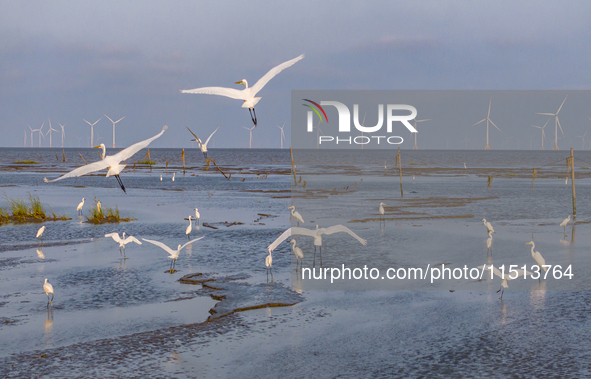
{"x":149,"y":159}
{"x":82,"y":158}
{"x":400,"y":166}
{"x":63,"y":155}
{"x":489,"y":182}
{"x":183,"y":156}
{"x":535,"y":175}
{"x":56,"y":158}
{"x":572,"y":171}
{"x":295,"y":182}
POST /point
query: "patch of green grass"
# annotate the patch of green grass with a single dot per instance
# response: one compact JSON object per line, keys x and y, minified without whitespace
{"x":19,"y":211}
{"x":26,"y":162}
{"x":105,"y":214}
{"x":416,"y":164}
{"x":511,"y":174}
{"x":147,"y":162}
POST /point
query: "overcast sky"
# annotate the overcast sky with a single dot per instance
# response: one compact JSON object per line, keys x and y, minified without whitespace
{"x":69,"y":60}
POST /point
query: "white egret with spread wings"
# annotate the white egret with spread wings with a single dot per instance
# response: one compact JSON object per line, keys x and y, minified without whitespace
{"x":202,"y":145}
{"x":122,"y":241}
{"x":172,"y":254}
{"x":317,"y":235}
{"x":247,"y":95}
{"x":110,"y":162}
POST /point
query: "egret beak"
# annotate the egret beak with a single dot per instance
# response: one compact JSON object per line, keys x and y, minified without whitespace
{"x":528,"y":243}
{"x":240,"y":82}
{"x":97,"y":147}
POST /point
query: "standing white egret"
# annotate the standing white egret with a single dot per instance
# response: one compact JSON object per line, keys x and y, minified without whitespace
{"x":247,"y":94}
{"x":79,"y":207}
{"x":565,"y":222}
{"x":296,"y":214}
{"x":317,"y":235}
{"x":269,"y":264}
{"x":508,"y":276}
{"x":385,"y":165}
{"x":382,"y":211}
{"x":489,"y":227}
{"x":40,"y":233}
{"x":465,"y":166}
{"x":203,"y":146}
{"x":197,"y":216}
{"x":189,"y":228}
{"x":173,"y":175}
{"x":48,"y":288}
{"x":110,"y":162}
{"x":160,"y":177}
{"x":122,"y":241}
{"x":172,"y":254}
{"x":299,"y":254}
{"x":537,"y":256}
{"x":98,"y":206}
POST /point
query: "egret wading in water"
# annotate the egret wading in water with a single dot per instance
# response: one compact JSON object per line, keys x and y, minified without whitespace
{"x":189,"y":228}
{"x":203,"y":146}
{"x":565,"y":223}
{"x":98,"y":206}
{"x":296,"y":214}
{"x":110,"y":162}
{"x":40,"y":233}
{"x":299,"y":254}
{"x":122,"y":241}
{"x":269,"y":264}
{"x":382,"y":211}
{"x":488,"y":225}
{"x":317,"y":235}
{"x":79,"y":207}
{"x":172,"y":254}
{"x":537,"y":256}
{"x":173,"y":175}
{"x":48,"y":288}
{"x":247,"y":95}
{"x":197,"y":216}
{"x":160,"y":177}
{"x":507,"y":277}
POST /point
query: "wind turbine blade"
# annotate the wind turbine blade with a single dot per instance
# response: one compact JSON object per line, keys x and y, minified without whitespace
{"x":489,"y":104}
{"x":424,"y":120}
{"x":495,"y":126}
{"x":546,"y":123}
{"x":547,"y":114}
{"x":120,"y":119}
{"x":561,"y":105}
{"x":560,"y":126}
{"x":539,"y":127}
{"x":479,"y":122}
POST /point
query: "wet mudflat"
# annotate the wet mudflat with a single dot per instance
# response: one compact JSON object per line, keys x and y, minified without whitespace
{"x":115,"y":317}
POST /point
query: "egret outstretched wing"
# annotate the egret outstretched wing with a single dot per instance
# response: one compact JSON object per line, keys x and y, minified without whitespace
{"x":131,"y":239}
{"x":343,"y":228}
{"x":221,"y":91}
{"x":80,"y":171}
{"x":131,"y":150}
{"x":285,"y":235}
{"x":272,"y":72}
{"x":170,"y":252}
{"x":115,"y":236}
{"x":190,"y":242}
{"x":211,"y":135}
{"x":194,"y":135}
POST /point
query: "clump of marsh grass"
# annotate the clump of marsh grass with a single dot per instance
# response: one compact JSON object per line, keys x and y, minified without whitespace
{"x":148,"y":162}
{"x":104,"y":214}
{"x":25,"y":162}
{"x":19,"y":211}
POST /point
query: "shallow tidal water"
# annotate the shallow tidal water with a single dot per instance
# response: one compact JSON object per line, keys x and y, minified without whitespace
{"x":115,"y":317}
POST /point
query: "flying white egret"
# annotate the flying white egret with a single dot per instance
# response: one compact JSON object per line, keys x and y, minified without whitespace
{"x":508,"y":276}
{"x":565,"y":222}
{"x":317,"y":235}
{"x":122,"y":241}
{"x":79,"y":207}
{"x":197,"y":216}
{"x":489,"y":227}
{"x":296,"y":214}
{"x":299,"y":254}
{"x":48,"y":288}
{"x":269,"y":264}
{"x":203,"y":146}
{"x":247,"y":94}
{"x":110,"y":162}
{"x":40,"y":233}
{"x":189,"y":228}
{"x":537,"y":256}
{"x":172,"y":254}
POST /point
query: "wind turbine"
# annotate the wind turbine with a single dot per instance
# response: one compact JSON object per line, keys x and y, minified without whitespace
{"x":31,"y":134}
{"x":415,"y":125}
{"x":49,"y":132}
{"x":282,"y":134}
{"x":63,"y":134}
{"x":556,"y":124}
{"x":250,"y":130}
{"x":25,"y":138}
{"x":318,"y":133}
{"x":487,"y":119}
{"x":543,"y":133}
{"x":114,"y":122}
{"x":40,"y":133}
{"x":583,"y":137}
{"x":92,"y":131}
{"x":466,"y":140}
